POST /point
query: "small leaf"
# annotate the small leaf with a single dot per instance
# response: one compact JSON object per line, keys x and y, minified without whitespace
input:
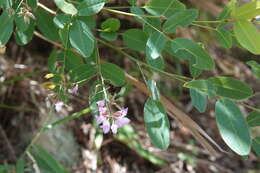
{"x":156,"y":63}
{"x":132,"y":2}
{"x":224,"y":37}
{"x":256,"y":145}
{"x":247,"y":35}
{"x":32,"y":3}
{"x":83,"y":73}
{"x":110,"y":25}
{"x":90,"y":7}
{"x":21,"y":25}
{"x":163,"y":7}
{"x":22,"y":38}
{"x":66,"y":7}
{"x":198,"y":99}
{"x":52,"y":61}
{"x":6,"y":27}
{"x":155,"y":45}
{"x":6,"y":3}
{"x":110,"y":36}
{"x":113,"y":73}
{"x":81,"y":38}
{"x":46,"y":162}
{"x":155,"y":94}
{"x":253,"y":119}
{"x":135,"y":39}
{"x":71,"y":60}
{"x":184,"y":48}
{"x":157,"y":124}
{"x":255,"y":68}
{"x":233,"y":127}
{"x":247,"y":11}
{"x":202,"y":85}
{"x":181,"y":18}
{"x":20,"y":166}
{"x":46,"y":26}
{"x":230,"y":87}
{"x":61,"y":20}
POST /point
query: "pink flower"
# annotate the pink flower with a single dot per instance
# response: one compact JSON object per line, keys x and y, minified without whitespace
{"x":101,"y":103}
{"x":105,"y":126}
{"x":58,"y":106}
{"x":74,"y":90}
{"x":122,"y":121}
{"x":100,"y":119}
{"x":114,"y":128}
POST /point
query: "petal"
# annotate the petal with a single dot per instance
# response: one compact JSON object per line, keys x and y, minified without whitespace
{"x":100,"y":119}
{"x":105,"y":126}
{"x":74,"y":90}
{"x":101,"y":103}
{"x":102,"y":110}
{"x":114,"y":128}
{"x":120,"y":122}
{"x":58,"y":106}
{"x":124,"y":112}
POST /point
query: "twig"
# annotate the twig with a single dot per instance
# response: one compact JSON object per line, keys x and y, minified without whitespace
{"x":8,"y":144}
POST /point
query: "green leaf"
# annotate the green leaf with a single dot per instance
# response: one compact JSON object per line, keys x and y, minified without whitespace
{"x":6,"y":3}
{"x":32,"y":3}
{"x":61,"y":20}
{"x":3,"y":168}
{"x":81,"y":38}
{"x":90,"y":21}
{"x":253,"y":119}
{"x":110,"y":36}
{"x":156,"y":63}
{"x":66,"y":7}
{"x":21,"y":25}
{"x":6,"y":27}
{"x":151,"y":25}
{"x":83,"y":72}
{"x":22,"y":38}
{"x":46,"y":162}
{"x":155,"y":45}
{"x":184,"y":48}
{"x":181,"y":18}
{"x":155,"y":94}
{"x":224,"y":37}
{"x":202,"y":85}
{"x":247,"y":11}
{"x":247,"y":35}
{"x":52,"y":61}
{"x":46,"y":26}
{"x":110,"y":25}
{"x":132,"y":2}
{"x":90,"y":7}
{"x":20,"y":166}
{"x":113,"y":73}
{"x":255,"y":68}
{"x":233,"y":127}
{"x":163,"y":7}
{"x":72,"y":60}
{"x":157,"y":124}
{"x":95,"y":94}
{"x":231,"y":88}
{"x":198,"y":99}
{"x":135,"y":39}
{"x":256,"y":145}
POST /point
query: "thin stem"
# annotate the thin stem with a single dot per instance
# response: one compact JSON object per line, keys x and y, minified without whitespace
{"x":203,"y":26}
{"x":175,"y":76}
{"x":131,"y":14}
{"x":46,"y":8}
{"x":249,"y":107}
{"x":206,"y":21}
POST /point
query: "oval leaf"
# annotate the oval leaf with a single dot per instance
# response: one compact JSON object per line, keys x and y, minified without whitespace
{"x":247,"y":35}
{"x":231,"y":88}
{"x":181,"y":18}
{"x":155,"y":45}
{"x":233,"y":127}
{"x":66,"y":7}
{"x":224,"y":37}
{"x":157,"y":123}
{"x":113,"y":73}
{"x":81,"y":38}
{"x":183,"y":47}
{"x":90,"y":7}
{"x":253,"y":119}
{"x":247,"y":11}
{"x":83,"y":73}
{"x":6,"y":27}
{"x":135,"y":39}
{"x":198,"y":99}
{"x":256,"y":145}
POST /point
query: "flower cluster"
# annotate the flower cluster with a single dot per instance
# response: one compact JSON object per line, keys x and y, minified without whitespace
{"x":118,"y":118}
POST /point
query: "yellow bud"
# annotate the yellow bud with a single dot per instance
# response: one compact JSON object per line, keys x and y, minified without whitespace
{"x":49,"y":85}
{"x":48,"y":76}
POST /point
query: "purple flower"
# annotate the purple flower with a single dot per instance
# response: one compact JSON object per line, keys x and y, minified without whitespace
{"x":58,"y":106}
{"x":114,"y":128}
{"x":101,"y":103}
{"x":74,"y":90}
{"x":105,"y":126}
{"x":100,"y":119}
{"x":124,"y":112}
{"x":102,"y":110}
{"x":122,"y":121}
